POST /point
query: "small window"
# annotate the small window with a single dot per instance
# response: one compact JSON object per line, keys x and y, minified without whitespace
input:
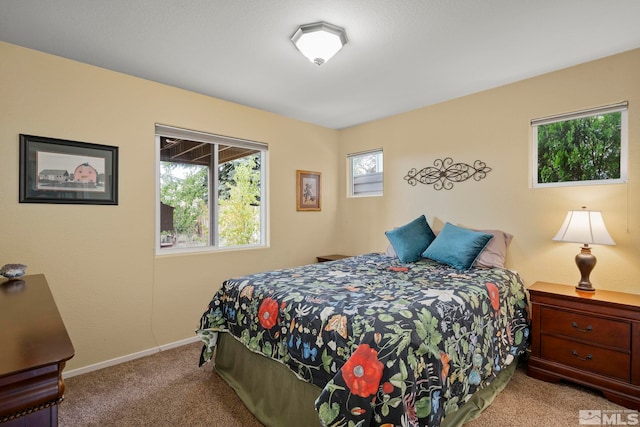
{"x":211,"y":192}
{"x":581,"y":148}
{"x":365,"y":174}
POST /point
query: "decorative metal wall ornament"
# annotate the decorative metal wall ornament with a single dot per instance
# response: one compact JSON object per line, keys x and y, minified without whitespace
{"x":444,"y":173}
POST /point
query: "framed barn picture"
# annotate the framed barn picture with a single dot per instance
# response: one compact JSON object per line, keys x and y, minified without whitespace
{"x":308,"y":195}
{"x":61,"y":171}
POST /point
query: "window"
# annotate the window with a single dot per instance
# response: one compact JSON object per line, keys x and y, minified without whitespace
{"x":211,"y":191}
{"x":585,"y":147}
{"x":365,"y":174}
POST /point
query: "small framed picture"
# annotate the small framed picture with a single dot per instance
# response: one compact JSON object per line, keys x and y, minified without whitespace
{"x":60,"y":171}
{"x":308,"y":191}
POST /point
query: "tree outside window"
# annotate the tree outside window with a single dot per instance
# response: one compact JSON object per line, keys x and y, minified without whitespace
{"x":585,"y":150}
{"x":185,"y":188}
{"x":239,"y":203}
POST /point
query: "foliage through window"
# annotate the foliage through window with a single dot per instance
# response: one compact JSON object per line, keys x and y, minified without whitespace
{"x":366,"y":175}
{"x":587,"y":147}
{"x":192,"y":167}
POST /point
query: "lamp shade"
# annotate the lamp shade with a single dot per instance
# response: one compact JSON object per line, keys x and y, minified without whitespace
{"x":320,"y":41}
{"x":585,"y":227}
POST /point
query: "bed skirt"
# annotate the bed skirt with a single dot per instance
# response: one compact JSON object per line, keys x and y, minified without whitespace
{"x":279,"y":399}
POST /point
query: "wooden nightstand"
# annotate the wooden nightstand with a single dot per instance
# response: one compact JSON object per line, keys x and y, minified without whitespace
{"x":325,"y":258}
{"x":592,"y":339}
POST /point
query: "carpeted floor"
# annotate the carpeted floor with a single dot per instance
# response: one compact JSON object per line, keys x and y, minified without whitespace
{"x":168,"y":389}
{"x":165,"y":389}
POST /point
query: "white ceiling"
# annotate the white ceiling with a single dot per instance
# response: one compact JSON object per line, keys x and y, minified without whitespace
{"x":401,"y":54}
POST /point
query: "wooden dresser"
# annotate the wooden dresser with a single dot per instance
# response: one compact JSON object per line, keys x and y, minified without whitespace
{"x":591,"y":339}
{"x":35,"y":346}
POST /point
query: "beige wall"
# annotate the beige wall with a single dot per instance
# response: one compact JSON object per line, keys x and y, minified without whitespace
{"x":494,"y":126}
{"x":115,"y":296}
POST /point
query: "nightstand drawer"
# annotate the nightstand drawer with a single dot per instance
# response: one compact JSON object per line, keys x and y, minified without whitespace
{"x":606,"y":332}
{"x":589,"y":358}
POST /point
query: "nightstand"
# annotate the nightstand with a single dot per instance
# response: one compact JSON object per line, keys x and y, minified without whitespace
{"x":325,"y":258}
{"x":592,"y":339}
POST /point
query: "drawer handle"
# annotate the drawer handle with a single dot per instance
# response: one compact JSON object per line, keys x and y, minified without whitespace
{"x":575,"y":353}
{"x":589,"y":328}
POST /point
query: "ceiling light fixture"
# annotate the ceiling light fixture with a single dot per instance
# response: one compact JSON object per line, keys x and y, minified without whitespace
{"x":319,"y":41}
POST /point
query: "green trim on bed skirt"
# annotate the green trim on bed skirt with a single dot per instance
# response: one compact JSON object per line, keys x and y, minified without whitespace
{"x":260,"y":383}
{"x":481,"y":399}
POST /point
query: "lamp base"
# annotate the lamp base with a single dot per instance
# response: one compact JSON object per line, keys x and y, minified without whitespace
{"x":585,"y":262}
{"x":582,"y":288}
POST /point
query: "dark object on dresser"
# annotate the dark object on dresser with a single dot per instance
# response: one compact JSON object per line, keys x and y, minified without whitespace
{"x":35,"y":347}
{"x":592,"y":339}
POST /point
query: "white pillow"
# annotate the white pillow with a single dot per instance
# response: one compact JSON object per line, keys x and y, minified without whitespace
{"x":495,"y":253}
{"x":390,"y":252}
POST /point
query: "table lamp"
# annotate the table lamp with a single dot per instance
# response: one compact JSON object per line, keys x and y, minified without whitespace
{"x":586,"y":227}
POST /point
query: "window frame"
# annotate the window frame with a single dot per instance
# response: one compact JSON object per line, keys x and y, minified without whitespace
{"x":351,"y":179}
{"x":214,"y":139}
{"x":621,"y":107}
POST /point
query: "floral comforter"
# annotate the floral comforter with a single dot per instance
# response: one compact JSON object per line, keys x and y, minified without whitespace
{"x":389,"y":344}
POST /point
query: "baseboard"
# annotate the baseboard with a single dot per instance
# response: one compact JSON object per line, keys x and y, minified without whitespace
{"x":133,"y":356}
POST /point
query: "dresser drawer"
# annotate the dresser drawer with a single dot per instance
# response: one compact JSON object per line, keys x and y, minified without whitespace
{"x":606,"y":332}
{"x":610,"y":363}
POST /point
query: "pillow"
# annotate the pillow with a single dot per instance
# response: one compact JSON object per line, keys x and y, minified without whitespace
{"x":456,"y":246}
{"x":390,"y":252}
{"x":410,"y":240}
{"x":495,"y":253}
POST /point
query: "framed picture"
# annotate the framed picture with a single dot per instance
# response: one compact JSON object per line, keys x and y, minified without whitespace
{"x":307,"y":191}
{"x":61,"y":171}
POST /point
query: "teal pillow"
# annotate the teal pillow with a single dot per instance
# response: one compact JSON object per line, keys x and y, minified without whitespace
{"x":410,"y":240}
{"x":456,"y":246}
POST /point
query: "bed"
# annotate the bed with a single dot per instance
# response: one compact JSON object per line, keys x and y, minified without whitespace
{"x":367,"y":340}
{"x":423,"y":335}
